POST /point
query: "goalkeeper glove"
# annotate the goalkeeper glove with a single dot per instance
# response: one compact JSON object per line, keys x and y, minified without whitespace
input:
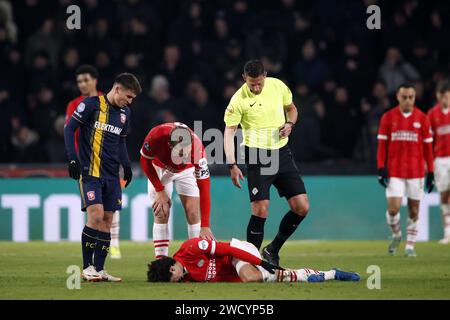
{"x":74,"y":169}
{"x":430,"y":181}
{"x":127,"y":175}
{"x":383,"y":177}
{"x":270,"y":267}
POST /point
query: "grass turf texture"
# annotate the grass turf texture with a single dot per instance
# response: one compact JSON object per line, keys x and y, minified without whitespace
{"x":37,"y":270}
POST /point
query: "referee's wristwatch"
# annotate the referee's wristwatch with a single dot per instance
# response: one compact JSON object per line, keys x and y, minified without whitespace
{"x":291,"y":123}
{"x":231,"y":165}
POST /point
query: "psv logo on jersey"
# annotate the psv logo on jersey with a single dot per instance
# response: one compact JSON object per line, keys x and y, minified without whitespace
{"x":123,"y":117}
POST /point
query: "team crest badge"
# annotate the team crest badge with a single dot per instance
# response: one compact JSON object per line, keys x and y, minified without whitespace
{"x":200,"y":263}
{"x":416,"y":125}
{"x":81,"y":107}
{"x":203,"y":245}
{"x":91,"y":195}
{"x":123,"y":117}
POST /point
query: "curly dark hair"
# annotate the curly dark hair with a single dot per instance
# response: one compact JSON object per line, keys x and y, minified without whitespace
{"x":159,"y":270}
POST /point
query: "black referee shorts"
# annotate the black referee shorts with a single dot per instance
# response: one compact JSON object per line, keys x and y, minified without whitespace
{"x":281,"y":171}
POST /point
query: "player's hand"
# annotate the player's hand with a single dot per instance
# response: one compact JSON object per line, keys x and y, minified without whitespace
{"x":429,"y":182}
{"x":286,"y":130}
{"x":236,"y":175}
{"x":383,"y":177}
{"x":74,"y":169}
{"x":162,"y":204}
{"x":127,"y":175}
{"x":270,"y":267}
{"x":206,"y":233}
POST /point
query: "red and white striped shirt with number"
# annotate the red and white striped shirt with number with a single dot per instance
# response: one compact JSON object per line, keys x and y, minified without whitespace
{"x":405,"y":141}
{"x":440,"y":124}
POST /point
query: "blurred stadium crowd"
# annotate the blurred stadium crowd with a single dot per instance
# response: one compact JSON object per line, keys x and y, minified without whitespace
{"x":189,"y":56}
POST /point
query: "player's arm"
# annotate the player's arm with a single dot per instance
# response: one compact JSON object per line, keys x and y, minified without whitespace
{"x":428,"y":154}
{"x":382,"y":150}
{"x":215,"y":248}
{"x":147,"y":156}
{"x":291,"y":119}
{"x":290,"y":111}
{"x":69,"y":138}
{"x":123,"y":156}
{"x":79,"y":116}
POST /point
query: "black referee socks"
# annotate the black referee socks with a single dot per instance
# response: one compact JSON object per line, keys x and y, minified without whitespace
{"x":255,"y":230}
{"x":288,"y":225}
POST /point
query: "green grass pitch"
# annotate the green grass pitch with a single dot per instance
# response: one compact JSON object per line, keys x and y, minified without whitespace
{"x":37,"y":270}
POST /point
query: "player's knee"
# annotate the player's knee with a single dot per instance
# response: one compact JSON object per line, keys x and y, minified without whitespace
{"x":300,"y":207}
{"x":261,"y":211}
{"x":249,"y":277}
{"x":393,"y":211}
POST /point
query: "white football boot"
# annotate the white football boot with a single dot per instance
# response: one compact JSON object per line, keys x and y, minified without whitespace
{"x":91,"y":275}
{"x":107,"y":277}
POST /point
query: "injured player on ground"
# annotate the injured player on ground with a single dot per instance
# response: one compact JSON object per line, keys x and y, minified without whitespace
{"x":201,"y":260}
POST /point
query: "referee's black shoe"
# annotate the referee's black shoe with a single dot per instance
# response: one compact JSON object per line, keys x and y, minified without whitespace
{"x":270,"y":256}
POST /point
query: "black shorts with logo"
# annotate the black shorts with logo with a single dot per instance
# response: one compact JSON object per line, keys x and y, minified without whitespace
{"x":281,"y":171}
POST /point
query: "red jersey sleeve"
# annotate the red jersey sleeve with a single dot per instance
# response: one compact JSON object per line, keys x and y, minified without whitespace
{"x":213,"y":248}
{"x":427,"y":135}
{"x":383,"y":138}
{"x":148,"y":152}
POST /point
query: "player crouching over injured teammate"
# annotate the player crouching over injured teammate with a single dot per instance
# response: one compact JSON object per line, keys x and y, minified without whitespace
{"x":201,"y":260}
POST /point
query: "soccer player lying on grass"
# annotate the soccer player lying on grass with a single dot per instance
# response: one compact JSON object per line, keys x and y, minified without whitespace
{"x":201,"y":260}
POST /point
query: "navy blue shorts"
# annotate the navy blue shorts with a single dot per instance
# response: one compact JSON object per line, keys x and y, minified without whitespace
{"x":98,"y":190}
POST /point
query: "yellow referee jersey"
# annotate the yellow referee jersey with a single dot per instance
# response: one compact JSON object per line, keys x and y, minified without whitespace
{"x":260,"y":116}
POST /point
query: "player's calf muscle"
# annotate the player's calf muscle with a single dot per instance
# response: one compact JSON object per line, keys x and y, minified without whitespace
{"x":249,"y":273}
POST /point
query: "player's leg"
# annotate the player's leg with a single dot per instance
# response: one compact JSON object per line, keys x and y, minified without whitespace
{"x":259,"y":191}
{"x":414,"y":192}
{"x":289,"y":185}
{"x":187,"y":189}
{"x":250,"y":273}
{"x":112,"y":201}
{"x":445,"y":214}
{"x":299,"y":206}
{"x":115,"y":231}
{"x":160,"y":233}
{"x":91,"y":198}
{"x":258,"y":183}
{"x":442,"y":179}
{"x":394,"y":193}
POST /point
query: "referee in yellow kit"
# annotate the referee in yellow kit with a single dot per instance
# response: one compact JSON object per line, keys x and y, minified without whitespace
{"x":264,"y":109}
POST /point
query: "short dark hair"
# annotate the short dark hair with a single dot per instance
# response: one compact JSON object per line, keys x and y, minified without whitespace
{"x":254,"y":68}
{"x":159,"y":270}
{"x":406,"y":85}
{"x":443,"y":87}
{"x":129,"y":82}
{"x":87,"y":68}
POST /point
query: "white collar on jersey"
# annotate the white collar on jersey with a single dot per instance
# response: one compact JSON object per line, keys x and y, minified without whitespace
{"x":406,"y":114}
{"x":445,"y":110}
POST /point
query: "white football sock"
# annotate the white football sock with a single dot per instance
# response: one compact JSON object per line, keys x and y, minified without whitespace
{"x":394,"y":224}
{"x":445,"y":210}
{"x":193,"y":230}
{"x":300,"y":275}
{"x":161,"y":239}
{"x":412,"y":234}
{"x":115,"y":229}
